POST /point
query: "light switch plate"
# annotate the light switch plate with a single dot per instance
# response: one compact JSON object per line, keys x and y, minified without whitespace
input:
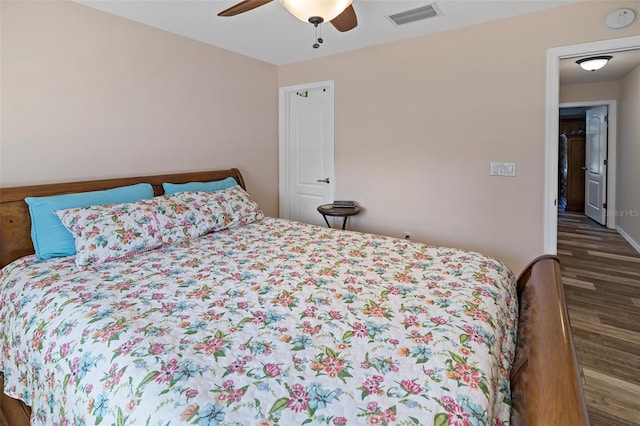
{"x":503,"y":169}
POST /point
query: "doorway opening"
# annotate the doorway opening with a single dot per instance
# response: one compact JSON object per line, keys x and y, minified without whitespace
{"x":554,"y":56}
{"x":571,"y":159}
{"x":587,"y":147}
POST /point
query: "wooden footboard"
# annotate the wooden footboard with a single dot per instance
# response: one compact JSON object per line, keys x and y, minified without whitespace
{"x":545,"y":380}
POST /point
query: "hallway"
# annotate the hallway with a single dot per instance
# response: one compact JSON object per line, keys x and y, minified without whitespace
{"x":601,"y":277}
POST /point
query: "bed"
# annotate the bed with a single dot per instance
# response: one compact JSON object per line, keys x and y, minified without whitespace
{"x":269,"y":321}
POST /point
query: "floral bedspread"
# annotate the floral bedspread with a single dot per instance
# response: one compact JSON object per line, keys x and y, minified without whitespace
{"x":275,"y":322}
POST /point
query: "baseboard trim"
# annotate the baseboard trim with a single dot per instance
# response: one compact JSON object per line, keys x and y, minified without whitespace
{"x":627,"y":237}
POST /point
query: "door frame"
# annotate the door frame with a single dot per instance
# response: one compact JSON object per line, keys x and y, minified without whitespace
{"x":550,"y":226}
{"x":284,"y":175}
{"x":612,"y":150}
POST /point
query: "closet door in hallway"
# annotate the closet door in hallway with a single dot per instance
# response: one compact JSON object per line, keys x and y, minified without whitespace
{"x":575,"y":172}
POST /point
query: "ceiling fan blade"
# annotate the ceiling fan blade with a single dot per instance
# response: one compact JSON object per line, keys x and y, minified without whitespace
{"x":243,"y":6}
{"x":346,"y":21}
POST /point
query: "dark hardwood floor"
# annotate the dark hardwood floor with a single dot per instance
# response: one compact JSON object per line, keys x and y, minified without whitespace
{"x":601,"y":277}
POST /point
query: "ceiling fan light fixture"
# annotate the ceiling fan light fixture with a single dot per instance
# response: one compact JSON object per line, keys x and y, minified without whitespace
{"x":307,"y":9}
{"x":594,"y":63}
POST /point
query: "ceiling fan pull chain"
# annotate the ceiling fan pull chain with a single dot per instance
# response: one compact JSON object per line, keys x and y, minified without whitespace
{"x":316,"y":44}
{"x":316,"y":21}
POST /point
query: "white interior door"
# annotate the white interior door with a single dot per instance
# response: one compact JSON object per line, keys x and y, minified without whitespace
{"x":596,"y":164}
{"x":308,"y":152}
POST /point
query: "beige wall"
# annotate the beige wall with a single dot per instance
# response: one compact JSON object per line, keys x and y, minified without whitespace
{"x":90,"y":95}
{"x":419,"y":121}
{"x":629,"y":157}
{"x":606,"y":90}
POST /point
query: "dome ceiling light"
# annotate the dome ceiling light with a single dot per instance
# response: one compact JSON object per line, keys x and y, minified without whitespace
{"x":594,"y":63}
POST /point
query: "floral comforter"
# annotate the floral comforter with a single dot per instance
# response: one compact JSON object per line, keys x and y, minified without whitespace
{"x":275,"y":322}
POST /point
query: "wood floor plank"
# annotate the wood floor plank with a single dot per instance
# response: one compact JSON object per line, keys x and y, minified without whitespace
{"x":609,"y":395}
{"x":578,"y":283}
{"x":582,"y":315}
{"x":613,"y":256}
{"x":594,"y":301}
{"x":608,"y":330}
{"x":579,"y":244}
{"x":630,"y":290}
{"x":597,"y":417}
{"x":617,"y":344}
{"x":570,"y":235}
{"x":628,"y":388}
{"x":621,"y":277}
{"x":620,"y":321}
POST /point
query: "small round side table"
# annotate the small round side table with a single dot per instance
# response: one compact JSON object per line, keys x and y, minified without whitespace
{"x":344,"y":212}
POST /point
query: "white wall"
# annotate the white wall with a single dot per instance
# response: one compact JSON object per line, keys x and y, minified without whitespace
{"x":88,"y":95}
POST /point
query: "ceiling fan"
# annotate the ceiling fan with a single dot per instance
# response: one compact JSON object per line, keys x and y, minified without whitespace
{"x":339,"y":12}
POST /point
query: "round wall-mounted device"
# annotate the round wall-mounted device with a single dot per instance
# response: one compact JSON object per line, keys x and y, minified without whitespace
{"x":620,"y":18}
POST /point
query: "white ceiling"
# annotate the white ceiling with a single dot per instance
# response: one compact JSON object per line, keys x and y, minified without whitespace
{"x":620,"y":65}
{"x":271,"y":34}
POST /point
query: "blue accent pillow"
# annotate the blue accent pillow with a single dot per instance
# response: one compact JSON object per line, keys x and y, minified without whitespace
{"x":50,"y":237}
{"x":173,"y":188}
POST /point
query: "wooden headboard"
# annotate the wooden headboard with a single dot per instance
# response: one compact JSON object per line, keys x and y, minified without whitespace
{"x":15,"y":221}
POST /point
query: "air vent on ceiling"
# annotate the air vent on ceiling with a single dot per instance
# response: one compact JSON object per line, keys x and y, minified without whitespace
{"x":413,"y":15}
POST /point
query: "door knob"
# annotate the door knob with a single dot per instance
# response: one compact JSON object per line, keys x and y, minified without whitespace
{"x":325,"y":180}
